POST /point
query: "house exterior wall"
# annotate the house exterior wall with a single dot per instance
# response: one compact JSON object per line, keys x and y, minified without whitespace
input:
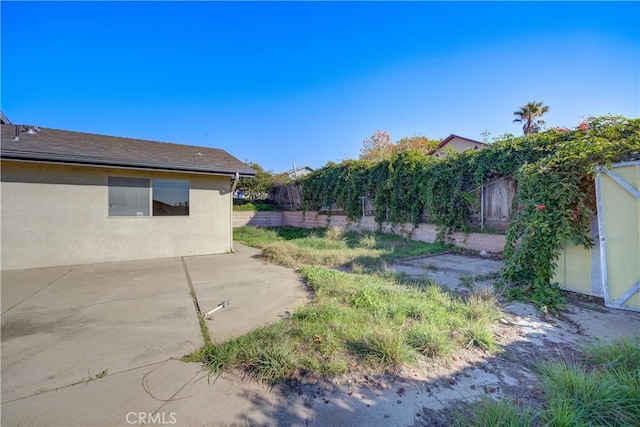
{"x":456,"y":145}
{"x":58,"y":215}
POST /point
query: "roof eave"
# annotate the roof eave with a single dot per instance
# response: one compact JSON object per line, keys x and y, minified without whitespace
{"x":80,"y":161}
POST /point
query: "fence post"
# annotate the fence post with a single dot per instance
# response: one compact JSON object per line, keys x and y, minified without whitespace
{"x":482,"y":206}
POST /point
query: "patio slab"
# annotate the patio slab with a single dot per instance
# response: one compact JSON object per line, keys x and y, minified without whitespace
{"x":259,"y":293}
{"x":85,"y":345}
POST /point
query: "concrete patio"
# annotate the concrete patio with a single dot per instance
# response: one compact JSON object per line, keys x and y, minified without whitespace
{"x":100,"y":344}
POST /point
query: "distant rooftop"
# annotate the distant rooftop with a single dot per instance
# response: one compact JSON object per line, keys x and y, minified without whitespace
{"x":3,"y":119}
{"x":299,"y":172}
{"x":452,"y":136}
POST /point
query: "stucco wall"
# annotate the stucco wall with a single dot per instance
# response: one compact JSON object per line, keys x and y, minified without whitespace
{"x":58,"y":215}
{"x":455,"y":145}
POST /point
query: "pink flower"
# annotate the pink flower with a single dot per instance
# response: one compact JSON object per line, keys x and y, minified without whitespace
{"x":583,"y":126}
{"x":563,"y":129}
{"x":540,"y":207}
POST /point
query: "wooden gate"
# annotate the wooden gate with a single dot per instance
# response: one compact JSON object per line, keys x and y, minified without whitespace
{"x":618,"y":199}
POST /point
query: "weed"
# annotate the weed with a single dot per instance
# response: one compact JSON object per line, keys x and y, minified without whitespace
{"x":358,"y":321}
{"x":367,"y":241}
{"x":431,"y":266}
{"x":489,"y":412}
{"x":430,"y":339}
{"x":468,"y":281}
{"x":605,"y":391}
{"x":282,"y":253}
{"x":334,"y":233}
{"x":622,"y":352}
{"x":357,"y":268}
{"x":479,"y":335}
{"x":591,"y":397}
{"x":384,"y":347}
{"x":90,"y":378}
{"x":220,"y":356}
{"x":273,"y":364}
{"x":481,"y":305}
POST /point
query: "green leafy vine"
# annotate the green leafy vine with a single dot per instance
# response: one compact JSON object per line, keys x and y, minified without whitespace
{"x":555,"y":200}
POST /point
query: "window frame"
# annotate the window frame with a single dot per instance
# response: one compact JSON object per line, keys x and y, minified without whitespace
{"x":119,"y":181}
{"x":116,"y":186}
{"x":164,"y":185}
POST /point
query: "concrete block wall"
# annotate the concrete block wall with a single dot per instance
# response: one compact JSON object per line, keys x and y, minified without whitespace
{"x":258,"y":219}
{"x":423,"y":232}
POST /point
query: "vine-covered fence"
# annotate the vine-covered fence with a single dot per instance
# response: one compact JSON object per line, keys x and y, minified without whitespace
{"x":491,"y":209}
{"x":553,"y":205}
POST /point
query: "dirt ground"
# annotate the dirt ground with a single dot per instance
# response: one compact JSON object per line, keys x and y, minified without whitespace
{"x":430,"y":393}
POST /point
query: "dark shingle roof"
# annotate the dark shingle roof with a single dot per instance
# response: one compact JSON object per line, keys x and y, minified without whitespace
{"x":3,"y":119}
{"x":61,"y":146}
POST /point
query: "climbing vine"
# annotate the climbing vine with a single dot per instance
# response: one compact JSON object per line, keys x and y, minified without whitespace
{"x":557,"y":195}
{"x":554,"y":204}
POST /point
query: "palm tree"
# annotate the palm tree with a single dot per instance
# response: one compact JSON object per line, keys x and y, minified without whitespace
{"x":530,"y":114}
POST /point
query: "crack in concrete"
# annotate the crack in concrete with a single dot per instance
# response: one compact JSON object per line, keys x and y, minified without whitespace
{"x":131,"y":299}
{"x":204,"y":330}
{"x":45,"y":391}
{"x":38,"y":291}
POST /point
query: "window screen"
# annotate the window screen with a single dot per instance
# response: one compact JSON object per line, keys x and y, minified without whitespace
{"x":170,"y":197}
{"x":128,"y":196}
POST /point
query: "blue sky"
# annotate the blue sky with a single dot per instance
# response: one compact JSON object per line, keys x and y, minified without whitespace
{"x":277,"y":82}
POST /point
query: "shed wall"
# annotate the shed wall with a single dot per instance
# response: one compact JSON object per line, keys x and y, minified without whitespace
{"x":620,"y":231}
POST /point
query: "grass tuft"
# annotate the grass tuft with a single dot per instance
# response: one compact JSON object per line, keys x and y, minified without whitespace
{"x":385,"y":348}
{"x":594,"y":396}
{"x":367,"y":241}
{"x":430,"y":339}
{"x":489,"y":412}
{"x":604,"y":391}
{"x":620,"y":353}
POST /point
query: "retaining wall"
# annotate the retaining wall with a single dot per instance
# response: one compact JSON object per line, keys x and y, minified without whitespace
{"x":423,"y":232}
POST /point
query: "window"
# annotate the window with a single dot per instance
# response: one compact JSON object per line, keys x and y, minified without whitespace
{"x":128,"y":196}
{"x":170,"y":197}
{"x":134,"y":196}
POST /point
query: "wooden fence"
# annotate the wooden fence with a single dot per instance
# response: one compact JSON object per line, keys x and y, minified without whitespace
{"x":492,"y":210}
{"x":495,"y":204}
{"x":288,"y":197}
